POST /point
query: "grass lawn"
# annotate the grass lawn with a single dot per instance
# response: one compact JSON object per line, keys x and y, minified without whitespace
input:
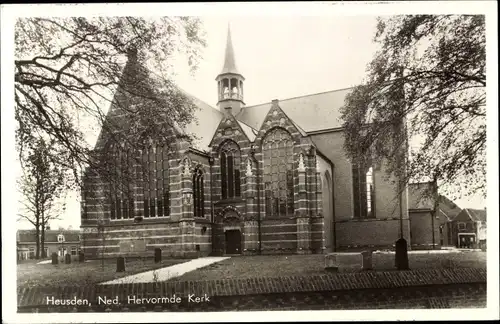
{"x":30,"y":274}
{"x":294,"y":265}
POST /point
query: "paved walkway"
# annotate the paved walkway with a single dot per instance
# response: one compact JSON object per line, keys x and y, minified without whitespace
{"x":421,"y":252}
{"x":167,"y":273}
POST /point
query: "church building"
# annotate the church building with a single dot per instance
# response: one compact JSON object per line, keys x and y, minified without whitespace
{"x":271,"y":178}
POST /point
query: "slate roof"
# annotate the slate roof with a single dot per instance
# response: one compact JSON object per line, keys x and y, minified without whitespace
{"x":28,"y":236}
{"x":311,"y":113}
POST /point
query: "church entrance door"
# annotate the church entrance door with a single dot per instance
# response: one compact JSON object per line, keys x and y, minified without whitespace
{"x":233,"y":242}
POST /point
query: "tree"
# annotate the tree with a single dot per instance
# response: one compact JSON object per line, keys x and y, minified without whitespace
{"x":68,"y":71}
{"x":425,"y":85}
{"x":41,"y":185}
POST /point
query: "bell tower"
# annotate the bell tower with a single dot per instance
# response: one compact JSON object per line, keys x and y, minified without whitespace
{"x":230,"y":82}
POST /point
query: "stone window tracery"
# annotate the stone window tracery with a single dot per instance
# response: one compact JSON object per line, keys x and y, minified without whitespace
{"x":277,"y":149}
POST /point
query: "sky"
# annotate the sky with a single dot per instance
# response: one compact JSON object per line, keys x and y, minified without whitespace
{"x":280,"y":57}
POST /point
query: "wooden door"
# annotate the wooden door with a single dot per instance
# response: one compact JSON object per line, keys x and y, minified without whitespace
{"x":233,"y":242}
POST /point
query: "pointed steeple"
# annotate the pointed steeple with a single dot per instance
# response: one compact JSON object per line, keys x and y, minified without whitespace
{"x":229,"y":60}
{"x":230,"y":82}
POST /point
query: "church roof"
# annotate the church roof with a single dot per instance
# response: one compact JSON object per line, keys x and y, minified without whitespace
{"x":310,"y":113}
{"x":205,"y":117}
{"x":420,"y":195}
{"x":229,"y":60}
{"x":205,"y":121}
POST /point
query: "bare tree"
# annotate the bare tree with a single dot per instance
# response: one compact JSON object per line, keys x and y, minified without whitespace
{"x":41,"y":186}
{"x":68,"y":71}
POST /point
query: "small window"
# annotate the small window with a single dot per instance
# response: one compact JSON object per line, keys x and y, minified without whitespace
{"x":198,"y":193}
{"x":73,"y":250}
{"x":461,"y":226}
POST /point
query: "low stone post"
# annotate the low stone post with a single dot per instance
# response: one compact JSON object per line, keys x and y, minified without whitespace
{"x":67,"y":258}
{"x":401,"y":256}
{"x":120,"y":264}
{"x":55,"y":259}
{"x":81,"y":257}
{"x":157,"y":255}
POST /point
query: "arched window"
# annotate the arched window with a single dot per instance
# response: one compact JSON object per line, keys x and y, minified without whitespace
{"x":156,"y":182}
{"x":363,"y":190}
{"x":277,"y":149}
{"x":198,"y":193}
{"x":230,"y":160}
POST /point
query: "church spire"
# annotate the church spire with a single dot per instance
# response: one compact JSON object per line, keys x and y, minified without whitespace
{"x":230,"y":81}
{"x":229,"y":60}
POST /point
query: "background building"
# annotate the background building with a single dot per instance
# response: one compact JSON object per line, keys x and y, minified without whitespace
{"x":26,"y":243}
{"x":468,"y":229}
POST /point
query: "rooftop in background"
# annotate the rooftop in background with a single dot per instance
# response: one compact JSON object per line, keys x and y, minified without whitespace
{"x":476,"y":215}
{"x":28,"y":236}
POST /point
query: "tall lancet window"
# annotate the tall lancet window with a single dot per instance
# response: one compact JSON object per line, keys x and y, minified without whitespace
{"x":164,"y":194}
{"x":198,"y":193}
{"x":230,"y":159}
{"x":363,"y":190}
{"x":156,"y":181}
{"x":277,"y":149}
{"x":120,"y":189}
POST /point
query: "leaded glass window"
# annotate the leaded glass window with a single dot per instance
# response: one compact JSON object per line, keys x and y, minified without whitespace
{"x":277,"y":149}
{"x":230,"y":160}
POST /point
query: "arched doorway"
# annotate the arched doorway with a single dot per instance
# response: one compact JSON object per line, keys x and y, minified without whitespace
{"x":232,"y":231}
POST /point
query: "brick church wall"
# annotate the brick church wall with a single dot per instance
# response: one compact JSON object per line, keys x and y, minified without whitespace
{"x":352,"y":233}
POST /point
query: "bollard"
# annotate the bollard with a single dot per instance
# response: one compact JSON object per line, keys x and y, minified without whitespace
{"x":81,"y":257}
{"x":402,"y":255}
{"x":120,"y":264}
{"x":157,"y":255}
{"x":67,"y":258}
{"x":55,"y":259}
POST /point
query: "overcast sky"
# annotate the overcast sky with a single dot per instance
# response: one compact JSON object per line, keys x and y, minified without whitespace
{"x":280,"y":57}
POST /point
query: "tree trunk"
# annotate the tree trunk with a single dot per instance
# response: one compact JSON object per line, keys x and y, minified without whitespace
{"x":37,"y":234}
{"x":42,"y":240}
